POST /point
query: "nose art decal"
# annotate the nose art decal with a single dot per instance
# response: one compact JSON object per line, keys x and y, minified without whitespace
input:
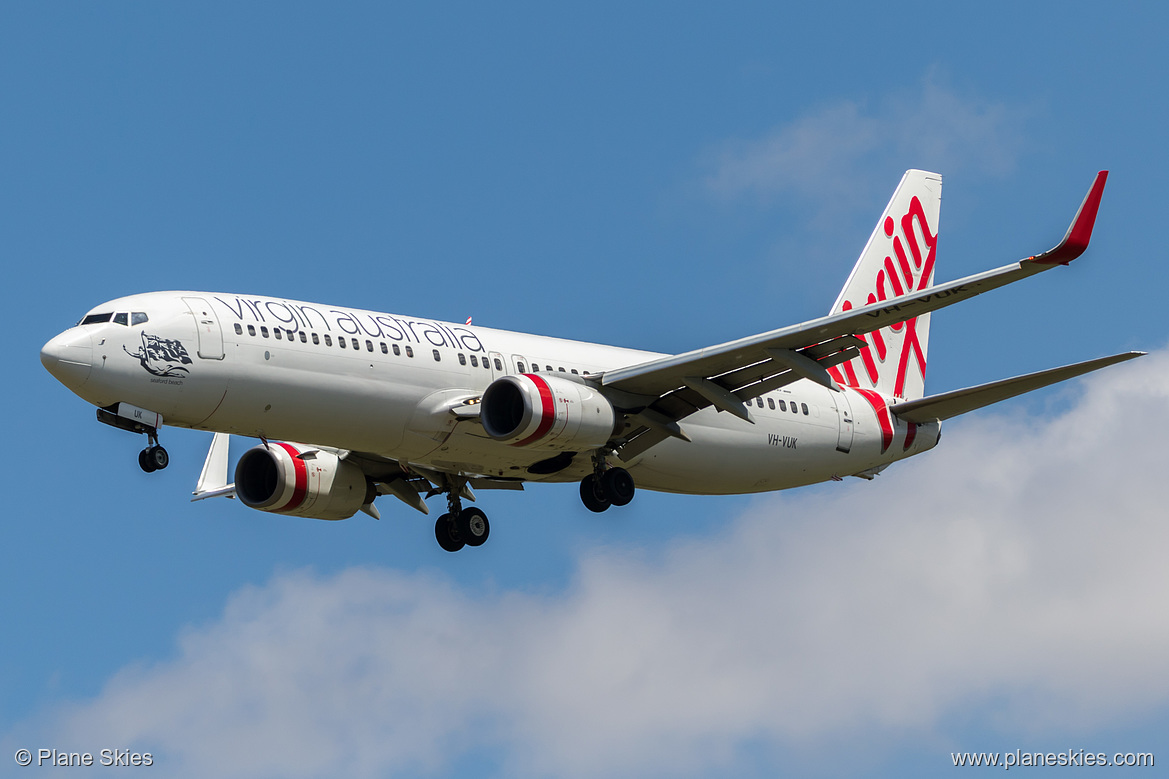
{"x":162,"y":356}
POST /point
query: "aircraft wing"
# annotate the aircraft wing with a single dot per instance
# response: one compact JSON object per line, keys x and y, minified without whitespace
{"x":726,"y":375}
{"x":408,"y":484}
{"x":951,"y":404}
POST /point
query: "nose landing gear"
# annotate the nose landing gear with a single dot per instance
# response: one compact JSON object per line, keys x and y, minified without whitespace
{"x":137,"y":420}
{"x":153,"y":458}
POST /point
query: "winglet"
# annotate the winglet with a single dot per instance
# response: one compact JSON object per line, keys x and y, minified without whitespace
{"x":1080,"y":232}
{"x":213,"y":479}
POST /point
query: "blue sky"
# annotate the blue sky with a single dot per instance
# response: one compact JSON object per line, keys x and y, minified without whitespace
{"x":650,"y":176}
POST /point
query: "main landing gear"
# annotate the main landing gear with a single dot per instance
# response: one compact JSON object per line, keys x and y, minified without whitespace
{"x":606,"y":486}
{"x":460,"y":527}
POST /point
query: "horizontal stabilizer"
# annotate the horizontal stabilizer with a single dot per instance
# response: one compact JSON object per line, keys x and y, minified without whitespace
{"x":951,"y":404}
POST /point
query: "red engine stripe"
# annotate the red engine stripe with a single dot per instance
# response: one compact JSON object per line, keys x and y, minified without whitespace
{"x":300,"y":488}
{"x":547,"y":410}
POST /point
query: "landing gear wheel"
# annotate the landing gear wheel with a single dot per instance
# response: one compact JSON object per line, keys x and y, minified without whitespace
{"x":144,"y":461}
{"x":448,"y":534}
{"x":593,"y":494}
{"x":618,"y":486}
{"x":158,"y":457}
{"x":473,"y":526}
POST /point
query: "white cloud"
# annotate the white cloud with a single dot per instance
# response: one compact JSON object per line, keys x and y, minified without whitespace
{"x":1016,"y":575}
{"x":820,"y":155}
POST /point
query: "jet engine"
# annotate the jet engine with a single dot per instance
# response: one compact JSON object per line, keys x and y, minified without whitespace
{"x":546,"y":412}
{"x":300,"y":480}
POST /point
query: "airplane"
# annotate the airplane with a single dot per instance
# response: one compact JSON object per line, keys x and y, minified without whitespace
{"x":414,"y":408}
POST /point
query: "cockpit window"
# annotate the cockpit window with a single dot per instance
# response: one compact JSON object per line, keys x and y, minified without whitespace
{"x":139,"y":318}
{"x":122,"y":319}
{"x":96,"y":319}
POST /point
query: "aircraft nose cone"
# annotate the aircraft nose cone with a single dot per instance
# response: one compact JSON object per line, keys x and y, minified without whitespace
{"x":69,"y":357}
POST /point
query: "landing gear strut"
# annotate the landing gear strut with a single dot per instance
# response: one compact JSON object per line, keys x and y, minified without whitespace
{"x":153,"y":457}
{"x":137,"y":420}
{"x":606,"y":486}
{"x":460,"y":527}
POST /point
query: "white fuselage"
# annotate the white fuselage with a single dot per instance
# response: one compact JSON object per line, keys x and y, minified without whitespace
{"x":258,"y":366}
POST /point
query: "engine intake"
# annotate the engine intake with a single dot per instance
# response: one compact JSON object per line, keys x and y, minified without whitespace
{"x":546,"y":412}
{"x":301,"y":481}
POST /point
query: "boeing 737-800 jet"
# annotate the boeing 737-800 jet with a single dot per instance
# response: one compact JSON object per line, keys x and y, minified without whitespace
{"x":413,"y":408}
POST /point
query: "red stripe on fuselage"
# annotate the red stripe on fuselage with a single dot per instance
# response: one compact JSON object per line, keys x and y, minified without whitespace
{"x":547,"y":410}
{"x":300,"y":488}
{"x":883,"y":419}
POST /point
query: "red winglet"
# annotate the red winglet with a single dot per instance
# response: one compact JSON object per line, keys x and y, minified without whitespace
{"x":1080,"y":232}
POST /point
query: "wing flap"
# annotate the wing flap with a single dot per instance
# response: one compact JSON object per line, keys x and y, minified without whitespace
{"x":951,"y":404}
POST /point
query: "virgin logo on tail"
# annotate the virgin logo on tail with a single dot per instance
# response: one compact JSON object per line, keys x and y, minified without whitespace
{"x":908,"y":267}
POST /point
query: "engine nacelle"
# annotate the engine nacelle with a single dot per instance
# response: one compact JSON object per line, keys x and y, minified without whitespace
{"x":299,"y":480}
{"x":546,"y":412}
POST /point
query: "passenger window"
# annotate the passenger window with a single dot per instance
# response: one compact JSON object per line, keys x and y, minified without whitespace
{"x":121,"y":319}
{"x":549,"y":368}
{"x":498,"y":364}
{"x":771,"y":404}
{"x":238,"y":330}
{"x":341,"y":343}
{"x":368,"y":345}
{"x":535,"y":368}
{"x":397,"y":351}
{"x":474,"y":361}
{"x":303,"y":337}
{"x":328,"y":340}
{"x":356,"y":345}
{"x":276,"y":332}
{"x":794,"y":409}
{"x":385,"y":349}
{"x":462,"y":359}
{"x":759,"y":402}
{"x":437,"y":356}
{"x":575,"y":371}
{"x":804,"y":408}
{"x":409,"y":351}
{"x":251,"y":329}
{"x":139,"y":318}
{"x":264,"y":331}
{"x":782,"y":405}
{"x":518,"y":364}
{"x":316,"y":340}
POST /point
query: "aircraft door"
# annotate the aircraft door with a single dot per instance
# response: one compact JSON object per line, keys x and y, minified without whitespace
{"x":498,"y":365}
{"x":844,"y":411}
{"x":210,"y":336}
